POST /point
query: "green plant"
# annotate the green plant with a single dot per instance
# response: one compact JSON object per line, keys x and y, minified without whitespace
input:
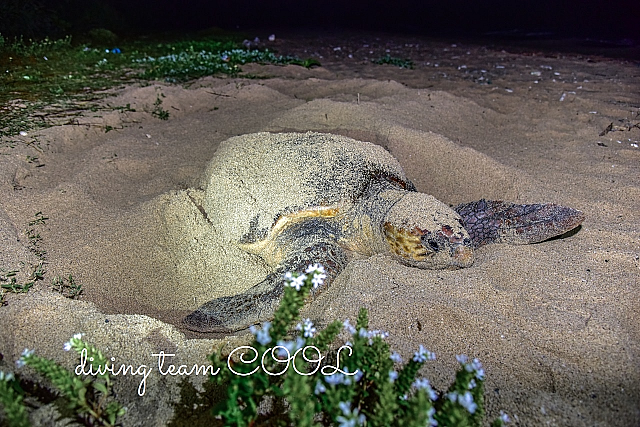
{"x":48,"y":80}
{"x":193,"y":63}
{"x":158,"y":111}
{"x":8,"y":279}
{"x":392,"y":60}
{"x":367,"y":385}
{"x":67,"y":287}
{"x":34,"y":236}
{"x":88,"y":401}
{"x":11,"y":399}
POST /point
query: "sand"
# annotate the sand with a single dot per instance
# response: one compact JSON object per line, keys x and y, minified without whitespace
{"x":556,"y":324}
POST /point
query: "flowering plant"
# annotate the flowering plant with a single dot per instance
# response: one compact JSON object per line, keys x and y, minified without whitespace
{"x":369,"y":386}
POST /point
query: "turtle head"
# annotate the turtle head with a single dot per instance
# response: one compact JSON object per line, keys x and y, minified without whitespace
{"x":422,"y":232}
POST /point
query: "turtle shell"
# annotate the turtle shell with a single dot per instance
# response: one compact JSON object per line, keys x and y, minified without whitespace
{"x":256,"y":180}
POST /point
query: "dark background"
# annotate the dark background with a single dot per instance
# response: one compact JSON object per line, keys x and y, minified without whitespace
{"x":612,"y":20}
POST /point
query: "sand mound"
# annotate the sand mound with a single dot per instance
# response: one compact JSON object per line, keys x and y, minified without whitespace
{"x":556,"y":324}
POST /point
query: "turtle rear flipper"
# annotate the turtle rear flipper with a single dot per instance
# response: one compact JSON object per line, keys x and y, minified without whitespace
{"x":489,"y":221}
{"x":259,"y":303}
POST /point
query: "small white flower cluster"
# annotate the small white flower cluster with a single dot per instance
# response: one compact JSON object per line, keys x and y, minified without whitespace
{"x":423,"y":384}
{"x":320,"y":388}
{"x":422,"y":355}
{"x":396,"y":357}
{"x":465,"y":400}
{"x":74,"y":341}
{"x":26,"y":353}
{"x":504,"y":417}
{"x":372,"y":334}
{"x":432,"y":421}
{"x":262,"y":334}
{"x":393,"y":376}
{"x":319,"y":274}
{"x":340,"y":378}
{"x":291,"y":346}
{"x":298,"y":281}
{"x":349,"y":327}
{"x":6,"y":377}
{"x":474,"y":367}
{"x":307,"y":328}
{"x":350,"y":418}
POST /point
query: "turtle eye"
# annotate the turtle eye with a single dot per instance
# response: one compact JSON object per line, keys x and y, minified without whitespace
{"x":433,"y":245}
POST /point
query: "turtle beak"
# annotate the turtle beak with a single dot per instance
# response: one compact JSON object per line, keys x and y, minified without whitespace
{"x":462,"y":256}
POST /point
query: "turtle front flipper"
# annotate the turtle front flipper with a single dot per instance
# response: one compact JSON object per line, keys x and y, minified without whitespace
{"x":258,"y":303}
{"x":489,"y":221}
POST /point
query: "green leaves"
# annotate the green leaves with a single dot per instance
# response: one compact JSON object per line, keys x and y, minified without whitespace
{"x":85,"y":397}
{"x":11,"y":400}
{"x":368,"y":385}
{"x":392,"y":60}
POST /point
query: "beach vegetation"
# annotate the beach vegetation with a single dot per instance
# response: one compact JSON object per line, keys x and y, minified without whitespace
{"x":43,"y":82}
{"x":278,"y":379}
{"x":9,"y":277}
{"x":364,"y":383}
{"x":67,"y":286}
{"x":393,"y":60}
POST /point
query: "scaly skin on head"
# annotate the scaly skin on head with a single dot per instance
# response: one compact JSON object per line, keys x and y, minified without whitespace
{"x":422,"y":232}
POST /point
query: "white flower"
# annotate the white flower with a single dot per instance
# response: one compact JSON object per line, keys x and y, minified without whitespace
{"x":69,"y":344}
{"x":315,"y":267}
{"x":318,"y":280}
{"x":345,"y":407}
{"x":396,"y":357}
{"x":320,"y":388}
{"x":6,"y":377}
{"x":349,"y":327}
{"x":335,"y":379}
{"x":307,"y":327}
{"x":465,"y":400}
{"x":475,"y":366}
{"x":291,"y":346}
{"x":25,"y":353}
{"x":504,"y":417}
{"x":422,"y":355}
{"x":393,"y":376}
{"x":297,"y":282}
{"x":372,"y":334}
{"x":431,"y":412}
{"x":318,"y":274}
{"x":349,"y":418}
{"x":423,"y":384}
{"x":262,"y":335}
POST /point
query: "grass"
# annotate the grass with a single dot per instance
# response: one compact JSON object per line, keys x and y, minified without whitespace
{"x":44,"y":81}
{"x":297,"y":377}
{"x":9,"y":278}
{"x":392,"y":60}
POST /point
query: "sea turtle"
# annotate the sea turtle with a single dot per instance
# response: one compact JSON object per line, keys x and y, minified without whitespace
{"x":293,"y":199}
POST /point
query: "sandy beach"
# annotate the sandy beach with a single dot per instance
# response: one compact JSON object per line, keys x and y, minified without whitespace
{"x":556,"y":324}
